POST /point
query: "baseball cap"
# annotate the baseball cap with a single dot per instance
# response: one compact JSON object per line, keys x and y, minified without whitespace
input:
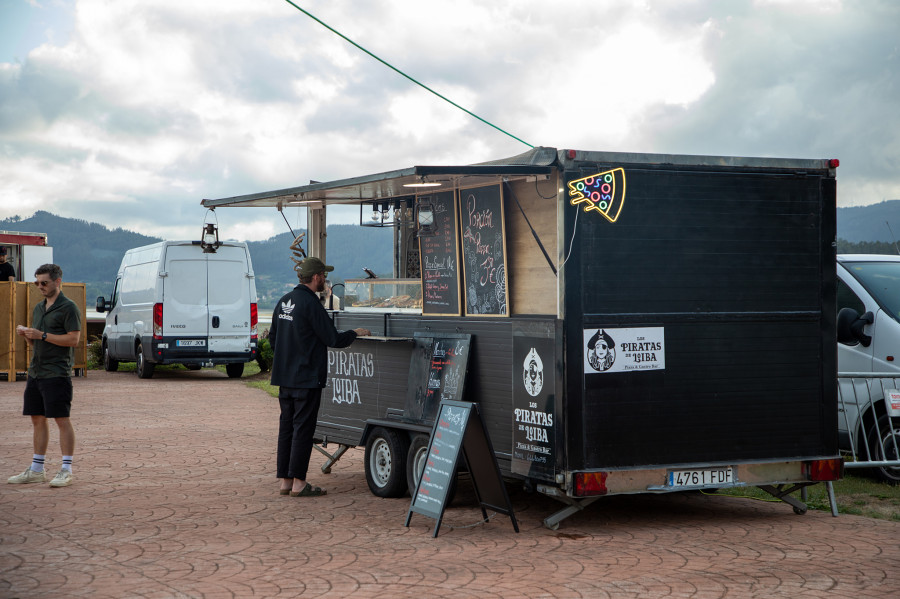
{"x":2,"y":251}
{"x":313,"y":266}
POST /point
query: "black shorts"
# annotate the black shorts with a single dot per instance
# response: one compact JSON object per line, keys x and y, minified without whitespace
{"x":48,"y":397}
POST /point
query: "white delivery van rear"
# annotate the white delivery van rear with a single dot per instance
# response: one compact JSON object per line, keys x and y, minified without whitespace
{"x":175,"y":303}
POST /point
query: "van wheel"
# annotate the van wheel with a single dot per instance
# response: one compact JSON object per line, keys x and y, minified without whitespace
{"x":143,"y":367}
{"x":109,"y":364}
{"x":385,"y":462}
{"x":882,"y":447}
{"x":234,"y":371}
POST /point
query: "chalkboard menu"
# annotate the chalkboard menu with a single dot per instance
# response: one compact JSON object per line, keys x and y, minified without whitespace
{"x":458,"y":429}
{"x":437,"y":371}
{"x":440,"y":258}
{"x":484,"y":250}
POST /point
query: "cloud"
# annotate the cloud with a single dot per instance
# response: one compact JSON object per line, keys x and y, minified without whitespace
{"x":149,"y":106}
{"x":800,"y":83}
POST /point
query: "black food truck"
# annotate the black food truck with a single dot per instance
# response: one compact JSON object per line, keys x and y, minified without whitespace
{"x":625,"y":323}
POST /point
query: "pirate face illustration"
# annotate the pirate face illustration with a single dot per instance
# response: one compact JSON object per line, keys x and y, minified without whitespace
{"x":533,"y":373}
{"x":601,"y":351}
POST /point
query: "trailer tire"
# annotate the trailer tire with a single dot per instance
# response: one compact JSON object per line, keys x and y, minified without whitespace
{"x":143,"y":368}
{"x":109,"y":364}
{"x":415,"y":465}
{"x":385,"y":462}
{"x":882,"y":448}
{"x":234,"y":371}
{"x":415,"y":461}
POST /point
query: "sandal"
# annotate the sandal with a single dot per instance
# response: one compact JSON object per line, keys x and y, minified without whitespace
{"x":309,"y":491}
{"x":284,"y":491}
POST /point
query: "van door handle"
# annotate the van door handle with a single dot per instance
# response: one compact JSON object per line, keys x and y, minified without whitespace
{"x":215,"y":322}
{"x":116,"y":319}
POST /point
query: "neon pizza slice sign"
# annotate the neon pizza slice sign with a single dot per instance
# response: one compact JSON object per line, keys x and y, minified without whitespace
{"x":603,"y":192}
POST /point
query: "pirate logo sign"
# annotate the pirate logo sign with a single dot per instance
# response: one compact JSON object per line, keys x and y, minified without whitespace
{"x":601,"y":351}
{"x":533,"y":373}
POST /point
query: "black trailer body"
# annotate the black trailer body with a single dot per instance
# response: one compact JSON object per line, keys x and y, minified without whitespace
{"x":639,"y":323}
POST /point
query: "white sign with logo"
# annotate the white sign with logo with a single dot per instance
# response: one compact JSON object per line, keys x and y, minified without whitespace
{"x":624,"y":350}
{"x":893,"y":402}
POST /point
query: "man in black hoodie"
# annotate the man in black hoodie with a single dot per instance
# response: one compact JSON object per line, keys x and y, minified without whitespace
{"x":300,"y":335}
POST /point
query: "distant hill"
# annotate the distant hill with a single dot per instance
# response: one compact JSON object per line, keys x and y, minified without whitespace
{"x":870,"y":223}
{"x":90,"y":253}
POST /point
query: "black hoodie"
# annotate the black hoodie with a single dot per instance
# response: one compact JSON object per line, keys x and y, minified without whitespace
{"x":300,"y":335}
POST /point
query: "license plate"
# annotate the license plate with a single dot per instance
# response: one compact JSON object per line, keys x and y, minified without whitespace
{"x":701,"y":477}
{"x":191,"y":343}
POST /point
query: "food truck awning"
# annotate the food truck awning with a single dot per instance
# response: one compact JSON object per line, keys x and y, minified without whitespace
{"x":400,"y":183}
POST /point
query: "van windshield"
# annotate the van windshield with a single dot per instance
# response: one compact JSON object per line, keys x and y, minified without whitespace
{"x":882,"y":279}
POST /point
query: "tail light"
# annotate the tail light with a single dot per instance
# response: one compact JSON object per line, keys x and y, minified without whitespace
{"x":590,"y":483}
{"x":824,"y":470}
{"x":254,"y":321}
{"x":157,"y":321}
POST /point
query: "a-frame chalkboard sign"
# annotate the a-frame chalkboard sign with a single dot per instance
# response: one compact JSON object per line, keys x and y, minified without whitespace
{"x":458,"y":426}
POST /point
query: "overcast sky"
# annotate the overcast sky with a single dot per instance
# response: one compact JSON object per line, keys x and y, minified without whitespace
{"x":129,"y":113}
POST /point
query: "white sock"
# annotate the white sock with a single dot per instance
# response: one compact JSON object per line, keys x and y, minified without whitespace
{"x":37,"y":463}
{"x":67,"y":463}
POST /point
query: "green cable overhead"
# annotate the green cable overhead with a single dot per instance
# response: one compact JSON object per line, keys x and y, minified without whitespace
{"x":469,"y":112}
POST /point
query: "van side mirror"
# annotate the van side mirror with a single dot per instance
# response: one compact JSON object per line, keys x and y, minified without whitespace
{"x":101,"y":304}
{"x":850,"y":327}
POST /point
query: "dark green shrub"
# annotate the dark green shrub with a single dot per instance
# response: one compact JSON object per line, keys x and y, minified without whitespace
{"x":95,"y":353}
{"x":264,"y":355}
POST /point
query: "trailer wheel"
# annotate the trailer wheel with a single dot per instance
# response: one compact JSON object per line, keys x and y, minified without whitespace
{"x":882,"y":447}
{"x":385,"y":461}
{"x":109,"y":365}
{"x":415,"y":461}
{"x":143,"y":368}
{"x":415,"y":465}
{"x":234,"y":371}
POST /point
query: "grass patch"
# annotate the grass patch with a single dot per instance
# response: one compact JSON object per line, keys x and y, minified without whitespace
{"x":854,"y":494}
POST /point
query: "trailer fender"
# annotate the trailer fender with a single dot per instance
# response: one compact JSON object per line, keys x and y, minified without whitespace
{"x":410,"y":428}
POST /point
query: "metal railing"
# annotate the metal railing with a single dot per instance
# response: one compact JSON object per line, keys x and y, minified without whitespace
{"x":871,"y":424}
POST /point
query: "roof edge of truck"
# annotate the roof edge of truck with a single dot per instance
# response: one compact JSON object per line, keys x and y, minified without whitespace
{"x":535,"y":162}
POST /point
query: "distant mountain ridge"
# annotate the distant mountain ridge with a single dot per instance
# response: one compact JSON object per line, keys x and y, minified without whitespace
{"x":91,"y":253}
{"x":870,"y":223}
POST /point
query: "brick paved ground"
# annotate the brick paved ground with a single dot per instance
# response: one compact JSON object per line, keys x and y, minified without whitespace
{"x":176,"y":497}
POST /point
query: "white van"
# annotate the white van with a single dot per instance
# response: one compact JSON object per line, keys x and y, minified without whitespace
{"x":868,"y":334}
{"x":174,"y":303}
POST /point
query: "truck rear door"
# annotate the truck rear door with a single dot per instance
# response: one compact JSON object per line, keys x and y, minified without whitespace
{"x":185,"y":312}
{"x":228,"y":292}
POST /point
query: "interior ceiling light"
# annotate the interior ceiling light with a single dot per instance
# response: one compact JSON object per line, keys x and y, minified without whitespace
{"x":422,"y":183}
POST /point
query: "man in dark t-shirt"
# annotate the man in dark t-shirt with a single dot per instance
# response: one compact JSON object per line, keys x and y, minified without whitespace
{"x":55,"y":331}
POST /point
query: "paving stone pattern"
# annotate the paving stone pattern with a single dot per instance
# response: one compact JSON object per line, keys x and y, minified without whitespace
{"x":176,"y":496}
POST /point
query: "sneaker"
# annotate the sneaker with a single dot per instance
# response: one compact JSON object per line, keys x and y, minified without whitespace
{"x":29,"y":476}
{"x":63,"y":478}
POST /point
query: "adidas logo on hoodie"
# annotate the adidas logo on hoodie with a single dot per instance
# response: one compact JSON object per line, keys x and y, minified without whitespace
{"x":286,"y":309}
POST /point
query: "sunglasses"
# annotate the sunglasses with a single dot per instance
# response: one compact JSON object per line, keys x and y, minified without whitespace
{"x":42,"y":283}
